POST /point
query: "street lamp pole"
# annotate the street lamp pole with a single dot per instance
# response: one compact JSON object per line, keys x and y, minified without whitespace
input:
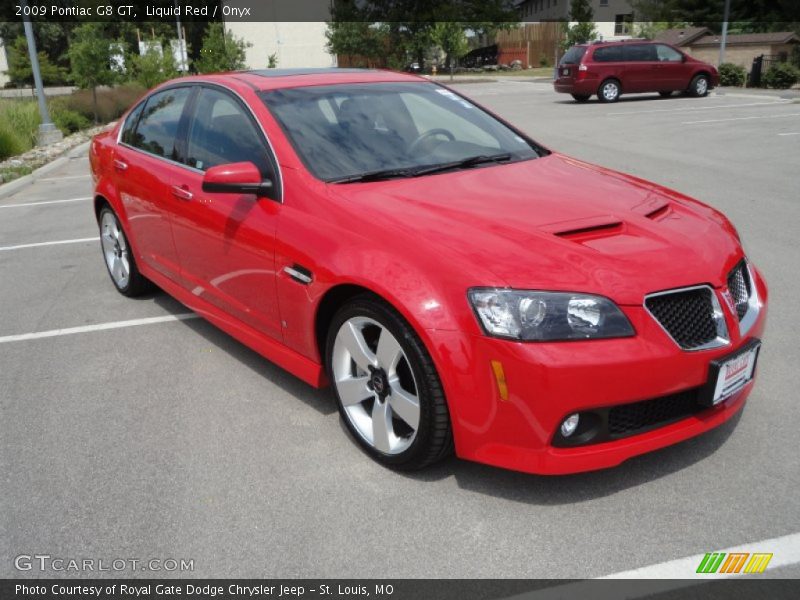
{"x":724,"y":39}
{"x":48,"y":133}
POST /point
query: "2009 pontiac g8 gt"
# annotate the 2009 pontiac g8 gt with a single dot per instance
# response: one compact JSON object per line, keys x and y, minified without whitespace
{"x":458,"y":285}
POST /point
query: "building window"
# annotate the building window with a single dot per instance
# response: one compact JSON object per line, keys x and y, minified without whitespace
{"x":623,"y":24}
{"x":603,"y":2}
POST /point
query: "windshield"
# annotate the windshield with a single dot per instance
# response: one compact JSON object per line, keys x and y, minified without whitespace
{"x":342,"y":132}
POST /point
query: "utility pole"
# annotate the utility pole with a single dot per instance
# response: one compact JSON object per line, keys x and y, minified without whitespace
{"x":724,"y":39}
{"x":48,"y":133}
{"x":182,"y":66}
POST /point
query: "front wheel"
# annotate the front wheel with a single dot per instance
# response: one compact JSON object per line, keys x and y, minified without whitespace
{"x":699,"y":86}
{"x":386,"y":386}
{"x":118,"y":256}
{"x":609,"y":91}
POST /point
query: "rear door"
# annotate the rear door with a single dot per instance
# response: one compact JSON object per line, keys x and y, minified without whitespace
{"x":567,"y":68}
{"x":639,"y":73}
{"x":144,"y":164}
{"x":672,"y":73}
{"x":226,"y":242}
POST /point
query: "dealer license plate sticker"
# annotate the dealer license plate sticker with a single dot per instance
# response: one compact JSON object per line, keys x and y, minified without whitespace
{"x":734,"y":373}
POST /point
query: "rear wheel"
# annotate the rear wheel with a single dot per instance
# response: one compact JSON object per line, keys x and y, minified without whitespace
{"x":386,"y":386}
{"x":699,"y":86}
{"x":609,"y":91}
{"x":118,"y":256}
{"x":665,"y":94}
{"x":581,"y":97}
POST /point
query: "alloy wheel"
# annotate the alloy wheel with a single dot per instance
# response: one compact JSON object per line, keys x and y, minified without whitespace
{"x":376,"y":385}
{"x":115,"y":250}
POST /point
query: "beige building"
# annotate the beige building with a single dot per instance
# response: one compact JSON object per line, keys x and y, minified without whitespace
{"x":613,"y":19}
{"x":740,"y":48}
{"x":294,"y":44}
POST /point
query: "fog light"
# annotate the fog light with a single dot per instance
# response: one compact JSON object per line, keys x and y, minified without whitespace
{"x":570,"y":424}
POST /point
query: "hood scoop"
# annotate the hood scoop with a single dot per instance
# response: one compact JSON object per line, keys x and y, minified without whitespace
{"x":590,"y":228}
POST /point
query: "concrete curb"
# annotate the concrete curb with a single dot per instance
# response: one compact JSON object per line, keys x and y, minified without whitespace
{"x":12,"y":187}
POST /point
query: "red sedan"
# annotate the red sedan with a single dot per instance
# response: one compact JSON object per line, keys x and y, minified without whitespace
{"x":458,"y":285}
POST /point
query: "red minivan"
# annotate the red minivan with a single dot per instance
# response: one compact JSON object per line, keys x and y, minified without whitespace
{"x":610,"y":69}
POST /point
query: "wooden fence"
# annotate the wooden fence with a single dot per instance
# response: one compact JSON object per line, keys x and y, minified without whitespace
{"x":532,"y":43}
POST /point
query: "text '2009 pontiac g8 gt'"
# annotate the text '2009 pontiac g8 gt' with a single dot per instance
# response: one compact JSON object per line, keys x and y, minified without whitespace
{"x":458,"y":285}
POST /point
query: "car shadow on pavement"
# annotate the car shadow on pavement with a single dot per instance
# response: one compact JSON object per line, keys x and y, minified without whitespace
{"x":581,"y":487}
{"x":319,"y":400}
{"x":622,"y":100}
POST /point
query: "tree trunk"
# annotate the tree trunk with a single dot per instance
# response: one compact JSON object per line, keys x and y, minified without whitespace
{"x":94,"y":105}
{"x":449,"y":59}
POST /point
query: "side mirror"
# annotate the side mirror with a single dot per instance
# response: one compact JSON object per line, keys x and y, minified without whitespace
{"x":237,"y":178}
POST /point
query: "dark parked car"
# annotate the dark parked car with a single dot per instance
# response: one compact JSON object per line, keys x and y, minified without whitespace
{"x":610,"y":69}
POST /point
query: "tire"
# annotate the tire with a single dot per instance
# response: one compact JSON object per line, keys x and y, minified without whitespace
{"x":581,"y":97}
{"x":118,"y":258}
{"x":376,"y":362}
{"x":699,"y":86}
{"x":665,"y":94}
{"x":609,"y":91}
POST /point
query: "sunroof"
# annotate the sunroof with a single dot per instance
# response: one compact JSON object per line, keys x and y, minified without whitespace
{"x":306,"y":71}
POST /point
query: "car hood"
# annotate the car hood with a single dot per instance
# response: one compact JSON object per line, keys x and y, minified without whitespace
{"x":556,"y":223}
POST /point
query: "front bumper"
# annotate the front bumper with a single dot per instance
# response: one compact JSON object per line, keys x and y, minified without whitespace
{"x":548,"y":381}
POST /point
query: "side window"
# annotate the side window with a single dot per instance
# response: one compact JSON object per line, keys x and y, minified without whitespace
{"x":608,"y":54}
{"x":667,"y":54}
{"x":640,"y":52}
{"x":128,"y":128}
{"x":222,"y":132}
{"x":158,"y":125}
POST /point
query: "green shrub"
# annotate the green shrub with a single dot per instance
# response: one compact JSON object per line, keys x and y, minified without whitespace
{"x":781,"y":76}
{"x":10,"y":143}
{"x":111,"y":102}
{"x":68,"y":120}
{"x":19,"y":122}
{"x":732,"y":75}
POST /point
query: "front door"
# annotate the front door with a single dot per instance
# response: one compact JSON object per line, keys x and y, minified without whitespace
{"x":226,"y":242}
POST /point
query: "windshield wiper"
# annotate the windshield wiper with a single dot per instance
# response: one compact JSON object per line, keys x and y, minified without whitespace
{"x":381,"y":175}
{"x":384,"y":174}
{"x":464,"y":163}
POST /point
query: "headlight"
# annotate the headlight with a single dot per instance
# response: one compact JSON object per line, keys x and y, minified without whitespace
{"x":543,"y":316}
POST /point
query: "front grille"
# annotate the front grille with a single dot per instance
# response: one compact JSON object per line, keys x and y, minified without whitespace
{"x":739,"y":286}
{"x":686,"y":315}
{"x":628,"y":419}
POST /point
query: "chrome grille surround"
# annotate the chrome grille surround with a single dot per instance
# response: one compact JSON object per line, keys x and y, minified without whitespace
{"x":742,"y":287}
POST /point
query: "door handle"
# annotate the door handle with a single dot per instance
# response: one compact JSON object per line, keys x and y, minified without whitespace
{"x":181,"y":193}
{"x":120,"y":165}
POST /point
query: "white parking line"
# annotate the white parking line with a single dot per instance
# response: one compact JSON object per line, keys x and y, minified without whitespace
{"x":792,"y":133}
{"x":741,"y":119}
{"x":689,"y":108}
{"x":54,"y":243}
{"x":99,"y":327}
{"x":45,"y":202}
{"x":676,"y":574}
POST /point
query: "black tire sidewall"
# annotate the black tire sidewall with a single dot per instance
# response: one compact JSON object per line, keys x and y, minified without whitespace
{"x":412,"y":346}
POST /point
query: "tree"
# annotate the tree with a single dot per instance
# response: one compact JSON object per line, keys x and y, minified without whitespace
{"x":221,"y":51}
{"x":583,"y":30}
{"x":90,"y":56}
{"x":153,"y":67}
{"x":364,"y":42}
{"x":19,"y":66}
{"x":451,"y":38}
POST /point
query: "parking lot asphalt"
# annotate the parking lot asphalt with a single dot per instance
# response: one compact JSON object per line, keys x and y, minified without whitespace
{"x":172,"y":440}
